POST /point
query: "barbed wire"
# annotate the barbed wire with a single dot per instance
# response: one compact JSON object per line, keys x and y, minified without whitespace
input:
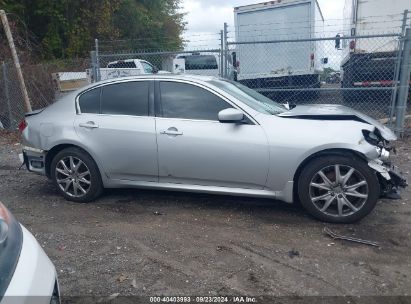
{"x":305,"y":20}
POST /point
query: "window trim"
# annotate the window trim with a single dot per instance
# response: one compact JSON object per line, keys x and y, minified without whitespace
{"x":151,"y":111}
{"x":159,"y":106}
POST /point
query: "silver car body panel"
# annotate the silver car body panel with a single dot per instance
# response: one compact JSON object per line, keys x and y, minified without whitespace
{"x":337,"y":111}
{"x":258,"y":159}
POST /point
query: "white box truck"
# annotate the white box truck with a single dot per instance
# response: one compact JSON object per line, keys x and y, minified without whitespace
{"x":289,"y":65}
{"x":370,"y":62}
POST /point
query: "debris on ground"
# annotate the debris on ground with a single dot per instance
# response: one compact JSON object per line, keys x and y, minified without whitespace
{"x":122,"y":277}
{"x":336,"y":236}
{"x":293,"y":253}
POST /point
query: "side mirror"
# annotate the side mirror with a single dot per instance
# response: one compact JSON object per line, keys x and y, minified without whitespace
{"x":230,"y":115}
{"x":155,"y":70}
{"x":338,"y":41}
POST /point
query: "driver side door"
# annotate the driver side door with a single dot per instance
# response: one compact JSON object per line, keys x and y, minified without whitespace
{"x":195,"y":148}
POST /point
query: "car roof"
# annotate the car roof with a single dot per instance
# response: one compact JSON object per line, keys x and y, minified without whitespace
{"x":190,"y":77}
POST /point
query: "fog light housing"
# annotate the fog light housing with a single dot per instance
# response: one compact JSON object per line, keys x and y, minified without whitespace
{"x":384,"y":154}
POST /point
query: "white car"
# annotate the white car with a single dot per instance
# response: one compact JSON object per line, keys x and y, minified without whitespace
{"x":26,"y":273}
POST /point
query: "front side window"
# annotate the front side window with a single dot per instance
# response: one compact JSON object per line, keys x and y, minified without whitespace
{"x":182,"y":100}
{"x":126,"y":98}
{"x":90,"y":101}
{"x":248,"y":96}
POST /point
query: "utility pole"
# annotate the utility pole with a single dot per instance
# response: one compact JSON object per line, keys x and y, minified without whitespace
{"x":16,"y":61}
{"x":225,"y":33}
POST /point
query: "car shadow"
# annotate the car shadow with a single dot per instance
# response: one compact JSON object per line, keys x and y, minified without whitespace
{"x":161,"y":202}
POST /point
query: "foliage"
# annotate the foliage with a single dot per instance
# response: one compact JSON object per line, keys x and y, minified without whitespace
{"x":326,"y":73}
{"x":67,"y":28}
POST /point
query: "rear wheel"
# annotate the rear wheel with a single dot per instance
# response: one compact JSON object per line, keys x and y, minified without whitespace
{"x":338,"y":189}
{"x":76,"y":175}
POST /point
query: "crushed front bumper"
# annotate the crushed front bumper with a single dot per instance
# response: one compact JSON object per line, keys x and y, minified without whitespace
{"x":390,"y":176}
{"x":34,"y":159}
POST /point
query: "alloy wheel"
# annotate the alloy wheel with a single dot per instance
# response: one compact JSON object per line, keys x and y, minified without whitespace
{"x":338,"y":190}
{"x":73,"y":176}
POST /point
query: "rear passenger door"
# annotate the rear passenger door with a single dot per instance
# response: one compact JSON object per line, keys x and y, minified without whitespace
{"x":116,"y":124}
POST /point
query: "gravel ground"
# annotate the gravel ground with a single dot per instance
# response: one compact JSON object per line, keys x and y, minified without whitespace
{"x":134,"y":242}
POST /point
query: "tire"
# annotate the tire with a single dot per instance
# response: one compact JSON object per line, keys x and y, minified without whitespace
{"x":350,"y":199}
{"x":78,"y":169}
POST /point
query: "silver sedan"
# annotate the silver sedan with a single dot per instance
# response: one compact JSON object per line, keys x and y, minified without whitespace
{"x":204,"y":134}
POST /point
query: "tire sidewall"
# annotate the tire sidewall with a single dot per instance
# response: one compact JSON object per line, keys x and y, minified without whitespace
{"x":95,"y":178}
{"x":319,"y":163}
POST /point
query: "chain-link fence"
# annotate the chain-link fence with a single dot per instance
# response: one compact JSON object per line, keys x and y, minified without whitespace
{"x":292,"y":64}
{"x":45,"y":83}
{"x":306,"y":71}
{"x":11,"y":98}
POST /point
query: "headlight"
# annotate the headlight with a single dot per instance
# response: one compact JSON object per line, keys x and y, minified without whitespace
{"x":11,"y":240}
{"x":4,"y":223}
{"x":372,"y":137}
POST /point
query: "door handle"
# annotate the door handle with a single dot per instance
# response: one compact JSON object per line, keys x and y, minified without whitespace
{"x":171,"y":131}
{"x":89,"y":125}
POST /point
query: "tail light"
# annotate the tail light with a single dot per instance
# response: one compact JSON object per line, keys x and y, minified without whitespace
{"x":22,"y":125}
{"x":352,"y":44}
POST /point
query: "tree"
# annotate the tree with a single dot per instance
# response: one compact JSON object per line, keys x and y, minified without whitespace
{"x":67,"y":28}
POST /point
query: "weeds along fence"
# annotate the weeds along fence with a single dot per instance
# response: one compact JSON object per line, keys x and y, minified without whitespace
{"x":42,"y":82}
{"x":368,"y":72}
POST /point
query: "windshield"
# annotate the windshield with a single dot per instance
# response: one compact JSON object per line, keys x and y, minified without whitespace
{"x":250,"y":97}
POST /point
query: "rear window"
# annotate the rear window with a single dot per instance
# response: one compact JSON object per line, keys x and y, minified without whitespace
{"x":200,"y":62}
{"x":122,"y":65}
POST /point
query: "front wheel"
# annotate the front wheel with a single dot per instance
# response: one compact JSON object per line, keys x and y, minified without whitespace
{"x":76,"y":175}
{"x":338,"y":189}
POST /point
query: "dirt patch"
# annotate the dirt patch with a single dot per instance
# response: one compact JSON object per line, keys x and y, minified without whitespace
{"x":135,"y":242}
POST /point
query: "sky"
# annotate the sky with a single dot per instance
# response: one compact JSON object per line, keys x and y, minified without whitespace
{"x":205,"y":19}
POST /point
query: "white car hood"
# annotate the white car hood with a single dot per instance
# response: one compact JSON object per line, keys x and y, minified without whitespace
{"x":337,"y":112}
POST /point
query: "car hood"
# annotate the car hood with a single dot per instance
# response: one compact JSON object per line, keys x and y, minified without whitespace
{"x":336,"y":112}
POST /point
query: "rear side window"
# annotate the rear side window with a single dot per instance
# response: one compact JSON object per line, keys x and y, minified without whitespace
{"x":127,"y":98}
{"x":90,"y":101}
{"x":182,"y":100}
{"x":200,"y":62}
{"x":122,"y":65}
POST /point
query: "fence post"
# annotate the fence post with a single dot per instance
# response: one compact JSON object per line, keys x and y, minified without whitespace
{"x":221,"y":53}
{"x":398,"y":67}
{"x":225,"y":34}
{"x":98,"y":75}
{"x":7,"y":95}
{"x":404,"y":84}
{"x":93,"y":66}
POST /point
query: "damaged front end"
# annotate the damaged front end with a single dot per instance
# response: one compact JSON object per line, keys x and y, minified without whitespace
{"x":389,"y":175}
